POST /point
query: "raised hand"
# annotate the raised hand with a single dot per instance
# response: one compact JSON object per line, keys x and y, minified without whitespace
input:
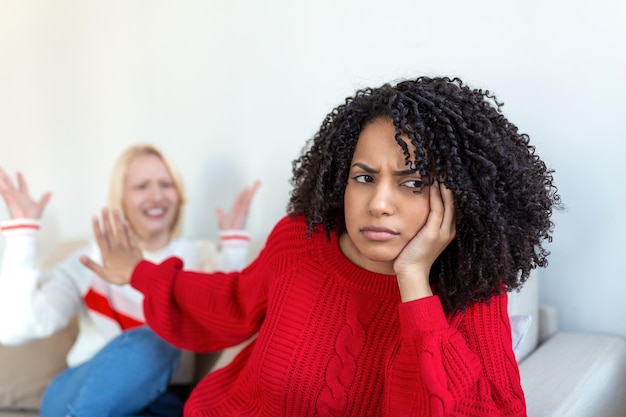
{"x":18,"y":200}
{"x":118,"y":246}
{"x":412,"y":266}
{"x":236,"y":218}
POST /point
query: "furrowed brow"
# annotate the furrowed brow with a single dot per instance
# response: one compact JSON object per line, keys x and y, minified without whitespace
{"x":405,"y":172}
{"x":365,"y":168}
{"x":371,"y":170}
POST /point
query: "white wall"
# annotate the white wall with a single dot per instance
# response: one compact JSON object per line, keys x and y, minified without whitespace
{"x":231,"y":89}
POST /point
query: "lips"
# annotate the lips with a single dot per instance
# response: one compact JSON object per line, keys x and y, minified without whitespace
{"x":377,"y":233}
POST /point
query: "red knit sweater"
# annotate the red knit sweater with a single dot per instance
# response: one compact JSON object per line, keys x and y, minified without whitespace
{"x":333,"y":339}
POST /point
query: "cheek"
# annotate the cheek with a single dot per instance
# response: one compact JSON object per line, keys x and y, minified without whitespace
{"x":131,"y":201}
{"x":174,"y":198}
{"x":419,"y":212}
{"x":350,"y":205}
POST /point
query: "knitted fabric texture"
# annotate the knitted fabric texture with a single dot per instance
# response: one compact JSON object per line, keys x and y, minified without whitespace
{"x":333,"y":339}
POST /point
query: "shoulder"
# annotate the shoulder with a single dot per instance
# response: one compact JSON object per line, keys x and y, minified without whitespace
{"x":289,"y":236}
{"x":62,"y":264}
{"x":492,"y":310}
{"x":290,"y":228}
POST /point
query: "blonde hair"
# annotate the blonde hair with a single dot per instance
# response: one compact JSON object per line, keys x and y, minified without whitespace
{"x":118,"y":178}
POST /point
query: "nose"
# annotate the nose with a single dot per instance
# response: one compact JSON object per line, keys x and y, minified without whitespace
{"x":155,"y":193}
{"x":382,"y":200}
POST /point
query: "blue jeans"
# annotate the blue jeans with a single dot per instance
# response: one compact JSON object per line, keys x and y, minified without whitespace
{"x":128,"y":377}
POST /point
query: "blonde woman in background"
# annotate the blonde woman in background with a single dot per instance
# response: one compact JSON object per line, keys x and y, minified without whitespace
{"x":117,"y":366}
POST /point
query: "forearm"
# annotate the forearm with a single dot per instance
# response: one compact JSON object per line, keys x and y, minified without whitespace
{"x":465,"y":364}
{"x":190,"y":309}
{"x":31,"y":306}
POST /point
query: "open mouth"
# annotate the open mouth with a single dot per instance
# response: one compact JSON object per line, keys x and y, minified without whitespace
{"x":155,"y":212}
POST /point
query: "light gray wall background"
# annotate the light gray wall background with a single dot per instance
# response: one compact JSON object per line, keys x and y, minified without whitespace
{"x":231,"y":89}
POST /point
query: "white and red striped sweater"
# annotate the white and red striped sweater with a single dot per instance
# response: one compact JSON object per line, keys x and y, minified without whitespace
{"x":35,"y":303}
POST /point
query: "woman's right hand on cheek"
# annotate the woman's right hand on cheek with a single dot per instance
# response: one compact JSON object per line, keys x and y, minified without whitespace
{"x":413,"y":265}
{"x":17,"y":199}
{"x":118,"y":246}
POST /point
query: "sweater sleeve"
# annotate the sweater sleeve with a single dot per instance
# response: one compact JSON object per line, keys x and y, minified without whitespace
{"x":198,"y":311}
{"x":34,"y":303}
{"x":465,"y":363}
{"x":234,"y":246}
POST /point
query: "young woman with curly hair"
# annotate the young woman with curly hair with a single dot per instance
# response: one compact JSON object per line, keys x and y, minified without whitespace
{"x":415,"y":208}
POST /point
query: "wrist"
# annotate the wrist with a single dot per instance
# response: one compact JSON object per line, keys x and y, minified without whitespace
{"x":414,"y":285}
{"x":234,"y":236}
{"x":20,"y":226}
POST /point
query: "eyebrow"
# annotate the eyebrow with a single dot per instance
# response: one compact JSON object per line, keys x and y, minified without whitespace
{"x":371,"y":170}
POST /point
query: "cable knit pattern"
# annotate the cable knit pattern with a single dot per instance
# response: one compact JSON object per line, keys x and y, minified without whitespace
{"x":342,"y":368}
{"x":333,"y":339}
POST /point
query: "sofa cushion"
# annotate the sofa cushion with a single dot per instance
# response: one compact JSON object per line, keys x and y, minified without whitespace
{"x":576,"y":374}
{"x":18,"y":413}
{"x":27,"y":369}
{"x":524,"y":317}
{"x":520,"y":324}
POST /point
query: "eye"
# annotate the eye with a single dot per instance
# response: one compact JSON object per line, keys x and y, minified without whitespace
{"x":363,"y":178}
{"x":141,"y":186}
{"x":166,"y":185}
{"x":415,"y":185}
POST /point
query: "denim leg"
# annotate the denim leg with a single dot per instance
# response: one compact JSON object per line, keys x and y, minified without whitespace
{"x":123,"y":378}
{"x":61,"y":391}
{"x":169,"y":404}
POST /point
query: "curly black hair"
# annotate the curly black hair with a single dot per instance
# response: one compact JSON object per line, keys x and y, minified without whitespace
{"x":504,"y":193}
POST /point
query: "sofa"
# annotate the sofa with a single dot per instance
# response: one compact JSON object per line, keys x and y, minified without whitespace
{"x":563,"y":373}
{"x":26,"y":370}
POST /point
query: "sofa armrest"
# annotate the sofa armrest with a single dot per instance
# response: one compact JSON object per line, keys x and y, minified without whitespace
{"x":548,"y":322}
{"x":576,"y":374}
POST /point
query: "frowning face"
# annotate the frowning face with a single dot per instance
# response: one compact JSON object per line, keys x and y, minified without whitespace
{"x":385,"y":203}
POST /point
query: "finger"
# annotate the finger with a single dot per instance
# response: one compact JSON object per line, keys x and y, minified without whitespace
{"x":89,"y":263}
{"x":244,"y":200}
{"x":43,"y":202}
{"x":436,"y":206}
{"x":255,"y":186}
{"x":120,"y":230}
{"x":219,"y":213}
{"x":125,"y":232}
{"x":239,"y":211}
{"x":253,"y":189}
{"x":21,"y":183}
{"x":107,"y":229}
{"x":5,"y":182}
{"x":240,"y":200}
{"x":232,"y":219}
{"x":100,"y":239}
{"x":245,"y":195}
{"x":133,"y":240}
{"x":250,"y":194}
{"x":449,"y":216}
